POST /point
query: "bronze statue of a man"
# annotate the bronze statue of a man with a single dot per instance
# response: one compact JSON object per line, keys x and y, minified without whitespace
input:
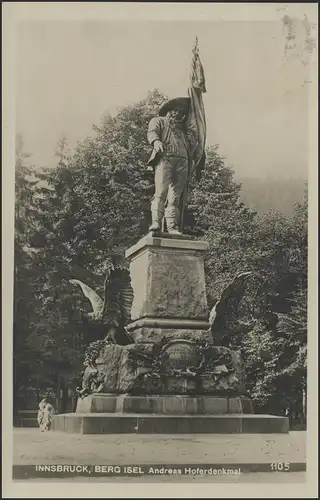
{"x":178,"y":139}
{"x":170,"y":156}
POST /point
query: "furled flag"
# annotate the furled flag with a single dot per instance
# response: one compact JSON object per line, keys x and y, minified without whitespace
{"x":196,"y":124}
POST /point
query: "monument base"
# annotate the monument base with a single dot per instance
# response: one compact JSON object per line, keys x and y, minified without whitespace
{"x":172,"y":378}
{"x":154,"y":414}
{"x":146,"y":423}
{"x":164,"y":405}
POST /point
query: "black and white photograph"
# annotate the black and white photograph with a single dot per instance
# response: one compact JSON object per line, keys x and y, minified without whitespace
{"x":160,"y":281}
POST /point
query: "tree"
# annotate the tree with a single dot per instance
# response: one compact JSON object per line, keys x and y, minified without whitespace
{"x":224,"y":222}
{"x":62,"y":151}
{"x":274,"y":247}
{"x":24,"y":285}
{"x":276,"y":349}
{"x":44,"y":349}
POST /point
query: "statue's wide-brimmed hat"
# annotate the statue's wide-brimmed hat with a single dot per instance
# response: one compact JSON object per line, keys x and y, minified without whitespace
{"x":178,"y":102}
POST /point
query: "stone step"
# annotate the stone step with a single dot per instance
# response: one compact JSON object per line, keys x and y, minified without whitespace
{"x":166,"y":405}
{"x":133,"y":423}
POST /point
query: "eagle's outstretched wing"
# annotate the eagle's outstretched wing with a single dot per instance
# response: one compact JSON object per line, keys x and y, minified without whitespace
{"x":91,"y":295}
{"x":225,"y":309}
{"x":118,"y":296}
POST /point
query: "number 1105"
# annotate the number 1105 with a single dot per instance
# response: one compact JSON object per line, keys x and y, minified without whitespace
{"x":280,"y":466}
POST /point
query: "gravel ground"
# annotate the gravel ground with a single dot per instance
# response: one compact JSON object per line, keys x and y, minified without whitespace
{"x":30,"y":446}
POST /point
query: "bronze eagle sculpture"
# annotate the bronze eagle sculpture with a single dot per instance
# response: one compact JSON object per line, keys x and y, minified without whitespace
{"x":114,"y":310}
{"x":224,"y":321}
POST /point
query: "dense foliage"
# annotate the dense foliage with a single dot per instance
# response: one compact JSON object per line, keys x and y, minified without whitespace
{"x":96,"y":202}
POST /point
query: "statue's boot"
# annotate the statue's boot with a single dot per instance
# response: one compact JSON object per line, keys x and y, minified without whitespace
{"x":173,"y":226}
{"x":157,"y":216}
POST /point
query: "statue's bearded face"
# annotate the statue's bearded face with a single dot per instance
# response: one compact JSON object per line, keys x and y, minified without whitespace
{"x":176,"y":114}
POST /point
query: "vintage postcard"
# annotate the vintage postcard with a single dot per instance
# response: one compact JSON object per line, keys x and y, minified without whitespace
{"x":159,"y":269}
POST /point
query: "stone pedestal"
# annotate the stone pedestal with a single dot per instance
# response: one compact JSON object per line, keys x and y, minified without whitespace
{"x":172,"y":379}
{"x":168,"y":280}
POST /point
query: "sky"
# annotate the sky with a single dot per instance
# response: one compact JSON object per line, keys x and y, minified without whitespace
{"x":69,"y":73}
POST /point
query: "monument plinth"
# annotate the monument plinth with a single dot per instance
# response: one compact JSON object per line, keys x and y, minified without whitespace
{"x":173,"y":378}
{"x":168,"y":279}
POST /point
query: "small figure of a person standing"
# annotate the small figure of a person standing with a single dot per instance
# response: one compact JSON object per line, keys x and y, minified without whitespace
{"x":45,"y":413}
